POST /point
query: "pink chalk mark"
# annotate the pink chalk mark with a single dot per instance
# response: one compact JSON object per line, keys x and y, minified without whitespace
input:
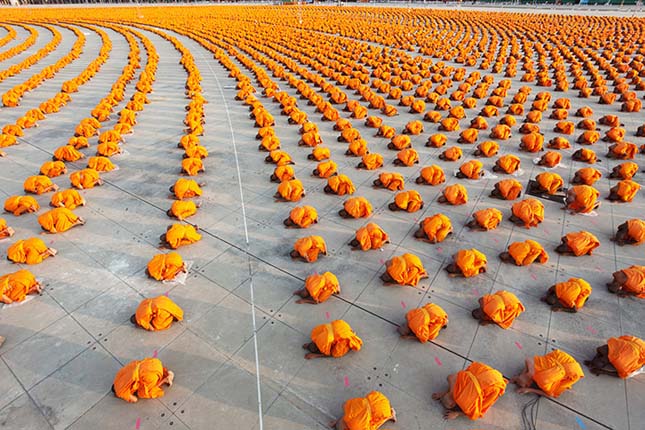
{"x":591,"y":330}
{"x":496,"y":240}
{"x":519,"y":345}
{"x":137,"y":424}
{"x":475,"y":291}
{"x":402,"y":304}
{"x":534,"y":276}
{"x":436,"y":360}
{"x":440,"y":249}
{"x":154,"y":354}
{"x":166,"y":293}
{"x":346,"y":381}
{"x":382,"y":261}
{"x":327,"y":315}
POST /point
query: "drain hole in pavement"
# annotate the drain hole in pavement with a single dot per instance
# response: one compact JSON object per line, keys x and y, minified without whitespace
{"x":163,"y":414}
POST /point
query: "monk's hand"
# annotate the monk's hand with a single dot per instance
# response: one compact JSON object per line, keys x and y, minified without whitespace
{"x":436,"y":396}
{"x":450,"y":415}
{"x":522,"y":390}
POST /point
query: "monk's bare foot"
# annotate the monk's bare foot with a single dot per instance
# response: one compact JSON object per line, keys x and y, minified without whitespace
{"x":171,"y":377}
{"x":294,"y":254}
{"x":437,"y":396}
{"x":2,"y":339}
{"x":393,"y":207}
{"x":393,"y":419}
{"x":522,"y":390}
{"x":450,"y":415}
{"x":333,"y":423}
{"x":52,"y":251}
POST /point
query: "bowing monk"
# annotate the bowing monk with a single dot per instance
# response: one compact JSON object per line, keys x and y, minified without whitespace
{"x":319,"y":153}
{"x":166,"y":267}
{"x":453,"y":153}
{"x":365,"y":413}
{"x":356,"y":207}
{"x":409,"y":201}
{"x":434,"y":229}
{"x":622,"y":151}
{"x":532,"y":142}
{"x":406,"y":157}
{"x":390,"y":181}
{"x":431,"y":175}
{"x":308,"y":248}
{"x":488,"y":148}
{"x":582,"y":199}
{"x":370,"y":162}
{"x":631,"y":232}
{"x":454,"y":194}
{"x":623,"y":357}
{"x":550,"y":159}
{"x":628,"y":282}
{"x":29,"y":251}
{"x":186,"y":188}
{"x":69,"y":199}
{"x":318,"y":288}
{"x":467,"y":263}
{"x":552,"y":374}
{"x":528,"y":213}
{"x":471,"y":392}
{"x":559,"y":142}
{"x":290,"y":191}
{"x":85,"y":179}
{"x":547,"y":182}
{"x":507,"y":189}
{"x":325,"y":169}
{"x":16,"y":286}
{"x":586,"y":176}
{"x":183,"y":209}
{"x":142,"y":380}
{"x":578,"y":243}
{"x":340,"y":185}
{"x":473,"y":169}
{"x":279,"y":158}
{"x":101,"y":164}
{"x":624,"y":191}
{"x":39,"y":184}
{"x":5,"y":230}
{"x":625,"y":170}
{"x":157,"y":314}
{"x":585,"y":155}
{"x":177,"y":235}
{"x":405,"y":269}
{"x":59,"y":220}
{"x":52,"y":169}
{"x":301,"y":217}
{"x":524,"y":253}
{"x":437,"y":140}
{"x":568,"y":296}
{"x":501,"y":308}
{"x":372,"y":236}
{"x":334,"y":339}
{"x":283,"y":173}
{"x":18,"y":205}
{"x":424,"y":323}
{"x":508,"y":164}
{"x":485,"y":219}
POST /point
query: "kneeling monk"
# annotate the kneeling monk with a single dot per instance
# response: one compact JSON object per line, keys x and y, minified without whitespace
{"x":524,"y":253}
{"x":629,"y":282}
{"x":59,"y":220}
{"x":424,"y":323}
{"x":406,"y":269}
{"x":568,"y":296}
{"x":334,"y":339}
{"x":372,"y":236}
{"x":177,"y":235}
{"x":14,"y":287}
{"x":165,"y":267}
{"x":467,"y":263}
{"x":29,"y":251}
{"x":471,"y":392}
{"x":631,"y":232}
{"x":318,"y":288}
{"x":302,"y":217}
{"x":500,"y":308}
{"x":578,"y":243}
{"x":308,"y":248}
{"x":143,"y":378}
{"x":365,"y":413}
{"x":5,"y":230}
{"x":434,"y":229}
{"x":485,"y":219}
{"x":622,"y":356}
{"x":553,"y":374}
{"x":527,"y":213}
{"x":157,"y":314}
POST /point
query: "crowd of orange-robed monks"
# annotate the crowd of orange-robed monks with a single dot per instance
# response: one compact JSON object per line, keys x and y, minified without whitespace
{"x":471,"y":392}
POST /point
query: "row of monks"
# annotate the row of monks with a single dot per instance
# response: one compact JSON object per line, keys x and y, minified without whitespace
{"x":473,"y":391}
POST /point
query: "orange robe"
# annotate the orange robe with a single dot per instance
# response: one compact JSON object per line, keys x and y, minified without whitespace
{"x":409,"y":201}
{"x":532,"y":142}
{"x":530,"y":211}
{"x":181,"y":235}
{"x":19,"y":205}
{"x":17,"y":285}
{"x":426,"y":322}
{"x":57,"y":220}
{"x":158,"y":313}
{"x":326,"y":168}
{"x":585,"y":198}
{"x":414,"y":127}
{"x":470,"y":262}
{"x":433,"y":175}
{"x":292,"y":190}
{"x":372,"y":236}
{"x":367,"y":413}
{"x":488,"y":218}
{"x":586,"y":155}
{"x":67,"y":153}
{"x":501,"y":132}
{"x":280,"y":158}
{"x":140,"y":378}
{"x":69,"y":199}
{"x":406,"y":269}
{"x":29,"y":251}
{"x":627,"y":170}
{"x":508,"y":163}
{"x":392,"y":181}
{"x":372,"y":161}
{"x":559,"y":143}
{"x":589,"y":175}
{"x":341,"y":185}
{"x":502,"y":308}
{"x":358,"y":148}
{"x":303,"y":216}
{"x":488,"y":148}
{"x":469,"y":135}
{"x":183,"y":209}
{"x":186,"y":188}
{"x":551,"y":159}
{"x":165,"y":267}
{"x":436,"y":227}
{"x":525,"y":253}
{"x":582,"y":243}
{"x":556,"y":372}
{"x":472,"y":169}
{"x":321,"y":287}
{"x":453,"y":153}
{"x":37,"y":184}
{"x":100,"y":164}
{"x":550,"y":182}
{"x":477,"y":388}
{"x":437,"y":140}
{"x":192,"y":166}
{"x":309,"y":247}
{"x":636,"y":230}
{"x":510,"y":189}
{"x":573,"y":293}
{"x":401,"y":141}
{"x":335,"y":339}
{"x":358,"y":207}
{"x":626,"y":190}
{"x":635,"y":280}
{"x":456,"y":194}
{"x":623,"y":150}
{"x":626,"y":354}
{"x":284,"y":173}
{"x":85,"y":179}
{"x":320,"y":153}
{"x":408,"y":157}
{"x":52,"y":169}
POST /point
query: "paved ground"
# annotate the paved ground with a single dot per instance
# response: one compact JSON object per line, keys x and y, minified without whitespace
{"x":64,"y":347}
